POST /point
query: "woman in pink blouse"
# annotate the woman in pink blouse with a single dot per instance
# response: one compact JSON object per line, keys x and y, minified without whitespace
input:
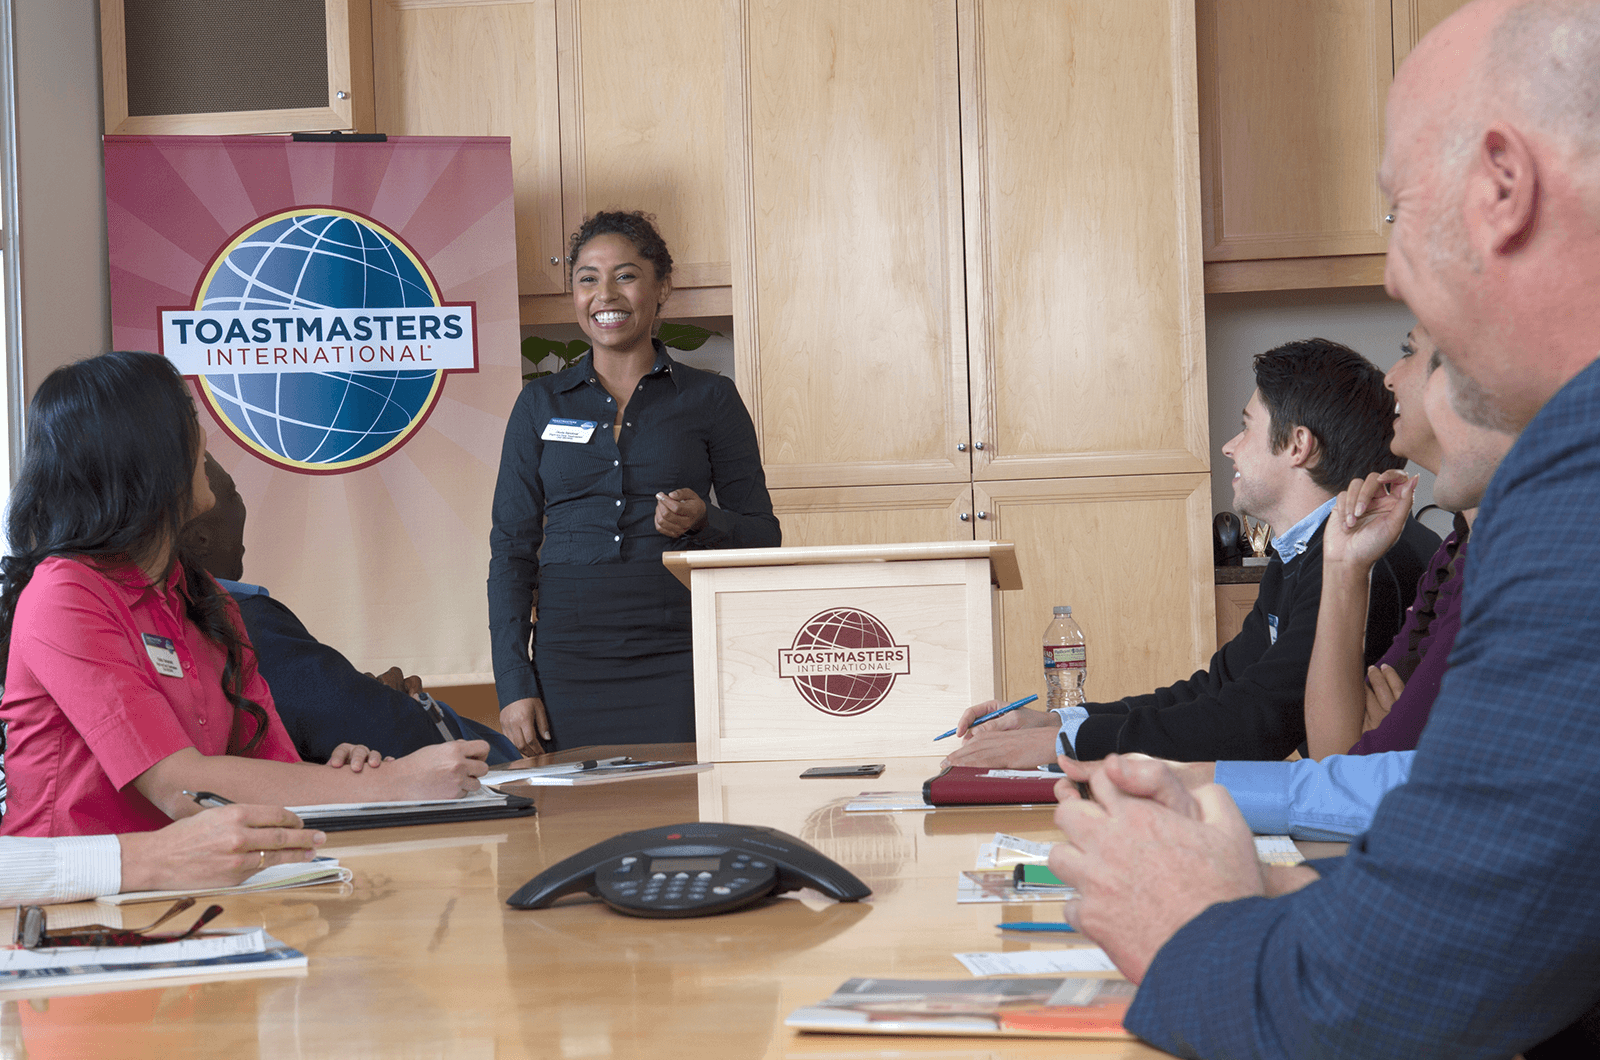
{"x":128,"y":677}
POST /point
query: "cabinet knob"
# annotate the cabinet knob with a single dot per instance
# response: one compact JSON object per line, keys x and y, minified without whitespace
{"x":555,"y":261}
{"x":965,"y":517}
{"x":983,"y":515}
{"x":977,"y":445}
{"x":961,"y":447}
{"x":341,"y":94}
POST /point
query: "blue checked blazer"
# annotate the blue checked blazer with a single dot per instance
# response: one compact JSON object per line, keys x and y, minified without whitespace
{"x":1466,"y":921}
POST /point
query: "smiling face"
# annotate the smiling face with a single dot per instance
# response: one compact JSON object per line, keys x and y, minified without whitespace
{"x":1468,"y":454}
{"x":1413,"y":435}
{"x":1260,"y":476}
{"x":617,"y":294}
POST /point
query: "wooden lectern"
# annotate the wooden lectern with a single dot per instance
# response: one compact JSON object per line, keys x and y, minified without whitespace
{"x":841,"y":651}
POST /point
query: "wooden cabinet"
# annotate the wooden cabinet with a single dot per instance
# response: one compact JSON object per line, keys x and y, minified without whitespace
{"x":1131,"y":554}
{"x":642,"y":124}
{"x":456,"y":69}
{"x":849,"y":327}
{"x":1291,"y":136}
{"x":1085,"y":329}
{"x":1234,"y":604}
{"x":310,"y":68}
{"x":608,"y":104}
{"x":969,"y":286}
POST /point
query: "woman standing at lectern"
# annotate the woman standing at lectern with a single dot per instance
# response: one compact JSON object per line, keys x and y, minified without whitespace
{"x":607,"y":465}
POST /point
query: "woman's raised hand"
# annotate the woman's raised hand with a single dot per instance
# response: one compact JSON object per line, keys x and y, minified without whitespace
{"x":1368,"y":518}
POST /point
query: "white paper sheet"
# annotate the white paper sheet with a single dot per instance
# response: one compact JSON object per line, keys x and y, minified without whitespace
{"x":1038,"y":962}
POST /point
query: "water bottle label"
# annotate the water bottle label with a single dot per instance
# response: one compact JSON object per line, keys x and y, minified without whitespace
{"x":1064,"y":656}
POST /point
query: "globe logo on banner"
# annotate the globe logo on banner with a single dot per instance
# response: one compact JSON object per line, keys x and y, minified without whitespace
{"x":844,"y":661}
{"x":318,"y":340}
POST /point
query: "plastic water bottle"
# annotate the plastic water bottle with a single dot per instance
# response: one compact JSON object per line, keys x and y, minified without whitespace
{"x":1066,"y":667}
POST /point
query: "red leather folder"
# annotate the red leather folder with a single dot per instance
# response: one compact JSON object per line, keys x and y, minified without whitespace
{"x":970,"y":786}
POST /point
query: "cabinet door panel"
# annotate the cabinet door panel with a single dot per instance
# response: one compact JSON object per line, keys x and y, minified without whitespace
{"x":1133,"y":558}
{"x":462,"y":69}
{"x":873,"y":515}
{"x":194,"y":40}
{"x":642,"y":123}
{"x":1291,"y":99}
{"x":849,"y":308}
{"x":1084,"y":285}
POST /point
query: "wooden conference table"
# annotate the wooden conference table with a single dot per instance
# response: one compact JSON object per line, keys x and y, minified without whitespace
{"x":421,"y":957}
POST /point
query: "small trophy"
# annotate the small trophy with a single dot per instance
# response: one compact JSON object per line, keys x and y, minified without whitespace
{"x":1260,"y":535}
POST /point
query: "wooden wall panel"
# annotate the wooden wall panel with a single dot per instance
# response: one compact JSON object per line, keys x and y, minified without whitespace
{"x":1084,"y":287}
{"x":849,"y":309}
{"x":449,"y":68}
{"x":1414,"y":18}
{"x":643,"y":123}
{"x":1132,"y":556}
{"x":1291,"y":100}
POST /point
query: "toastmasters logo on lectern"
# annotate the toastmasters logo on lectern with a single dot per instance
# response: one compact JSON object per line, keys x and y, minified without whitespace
{"x":318,"y":340}
{"x":844,"y":661}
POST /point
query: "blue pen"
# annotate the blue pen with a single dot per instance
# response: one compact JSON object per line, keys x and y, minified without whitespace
{"x":1034,"y":925}
{"x":993,"y":714}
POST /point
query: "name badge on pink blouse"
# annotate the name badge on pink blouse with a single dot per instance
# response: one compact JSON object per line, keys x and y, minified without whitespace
{"x":164,"y":654}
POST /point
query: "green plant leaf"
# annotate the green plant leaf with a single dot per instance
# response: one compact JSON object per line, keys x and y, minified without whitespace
{"x":684,"y":336}
{"x":536,"y":349}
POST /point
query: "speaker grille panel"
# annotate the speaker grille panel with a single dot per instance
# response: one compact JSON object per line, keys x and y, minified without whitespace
{"x":209,"y":56}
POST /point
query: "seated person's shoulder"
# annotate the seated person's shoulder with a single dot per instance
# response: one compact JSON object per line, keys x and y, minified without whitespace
{"x":63,"y":576}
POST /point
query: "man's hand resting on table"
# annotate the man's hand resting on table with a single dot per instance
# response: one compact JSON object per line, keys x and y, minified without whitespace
{"x":1022,"y":739}
{"x":1147,"y":856}
{"x":1280,"y":879}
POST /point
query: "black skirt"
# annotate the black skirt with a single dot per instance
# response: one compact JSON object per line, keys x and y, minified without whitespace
{"x":613,"y":650}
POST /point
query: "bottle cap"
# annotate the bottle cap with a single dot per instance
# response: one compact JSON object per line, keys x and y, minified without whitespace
{"x":1063,"y":609}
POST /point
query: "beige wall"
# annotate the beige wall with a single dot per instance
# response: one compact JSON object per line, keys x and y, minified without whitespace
{"x":66,"y":303}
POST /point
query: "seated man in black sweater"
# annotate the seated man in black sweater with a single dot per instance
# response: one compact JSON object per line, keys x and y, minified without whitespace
{"x":1319,"y":418}
{"x":323,"y":700}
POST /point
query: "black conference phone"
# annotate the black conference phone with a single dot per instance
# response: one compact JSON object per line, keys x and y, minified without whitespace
{"x":697,"y":869}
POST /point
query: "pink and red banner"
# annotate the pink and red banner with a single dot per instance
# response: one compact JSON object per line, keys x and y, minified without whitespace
{"x":347,"y":315}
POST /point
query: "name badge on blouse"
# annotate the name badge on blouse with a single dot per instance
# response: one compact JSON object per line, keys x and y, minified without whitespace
{"x":164,"y":654}
{"x":568,"y":431}
{"x":1272,"y":629}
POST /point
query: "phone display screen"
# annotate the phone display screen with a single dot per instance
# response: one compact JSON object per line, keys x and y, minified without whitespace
{"x":685,"y":864}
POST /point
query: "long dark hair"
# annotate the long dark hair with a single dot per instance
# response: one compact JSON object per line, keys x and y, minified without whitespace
{"x":108,"y":477}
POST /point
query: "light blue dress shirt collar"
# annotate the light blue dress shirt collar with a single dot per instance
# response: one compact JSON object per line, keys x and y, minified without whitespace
{"x":1293,"y":541}
{"x":241,"y":588}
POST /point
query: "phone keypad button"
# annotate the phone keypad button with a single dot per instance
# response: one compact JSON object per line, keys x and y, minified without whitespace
{"x":722,"y":890}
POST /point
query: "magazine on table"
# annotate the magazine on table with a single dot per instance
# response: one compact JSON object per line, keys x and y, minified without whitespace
{"x":53,"y":971}
{"x":1062,"y":1007}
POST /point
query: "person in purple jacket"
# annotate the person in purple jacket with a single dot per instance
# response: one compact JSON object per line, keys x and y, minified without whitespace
{"x":1385,"y":708}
